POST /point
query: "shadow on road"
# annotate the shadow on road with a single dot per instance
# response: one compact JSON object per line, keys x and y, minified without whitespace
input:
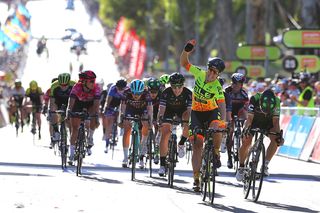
{"x":279,"y":206}
{"x":101,"y":179}
{"x":223,"y":208}
{"x":23,"y":174}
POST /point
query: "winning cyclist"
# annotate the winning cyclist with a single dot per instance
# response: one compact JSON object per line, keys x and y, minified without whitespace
{"x":263,"y":113}
{"x":84,"y":94}
{"x":136,"y":102}
{"x":59,"y":95}
{"x":239,"y":99}
{"x":112,"y":104}
{"x":208,"y":105}
{"x":175,"y":101}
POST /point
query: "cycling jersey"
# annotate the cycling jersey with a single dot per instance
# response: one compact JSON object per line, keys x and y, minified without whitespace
{"x":61,"y":96}
{"x":176,"y":103}
{"x":84,"y":99}
{"x":116,"y":96}
{"x":136,"y":107}
{"x":17,"y":95}
{"x":35,"y":96}
{"x":261,"y":120}
{"x":205,"y":96}
{"x":155,"y":104}
{"x":79,"y":94}
{"x":239,"y":100}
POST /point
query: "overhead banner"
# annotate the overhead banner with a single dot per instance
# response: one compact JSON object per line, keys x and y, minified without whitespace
{"x":248,"y":52}
{"x":301,"y":39}
{"x":141,"y":59}
{"x":118,"y":36}
{"x":231,"y":66}
{"x":134,"y":58}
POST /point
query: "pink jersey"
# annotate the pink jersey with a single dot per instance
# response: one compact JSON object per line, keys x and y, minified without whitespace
{"x":77,"y":92}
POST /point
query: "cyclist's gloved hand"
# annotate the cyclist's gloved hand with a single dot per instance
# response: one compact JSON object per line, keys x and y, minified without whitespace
{"x":190,"y":45}
{"x":120,"y":124}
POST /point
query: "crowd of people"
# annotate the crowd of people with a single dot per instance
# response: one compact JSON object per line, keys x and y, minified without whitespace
{"x":211,"y":103}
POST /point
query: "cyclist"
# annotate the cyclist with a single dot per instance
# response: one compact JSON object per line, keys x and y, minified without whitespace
{"x":239,"y":99}
{"x":84,"y":94}
{"x":155,"y":93}
{"x":136,"y":102}
{"x":263,"y":113}
{"x":112,"y":104}
{"x":175,"y":101}
{"x":46,"y":98}
{"x":208,"y":106}
{"x":34,"y":96}
{"x":59,"y":95}
{"x":16,"y":96}
{"x":103,"y":98}
{"x":164,"y":80}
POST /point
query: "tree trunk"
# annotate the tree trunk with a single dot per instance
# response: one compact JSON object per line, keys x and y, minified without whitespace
{"x":310,"y":14}
{"x":255,"y":18}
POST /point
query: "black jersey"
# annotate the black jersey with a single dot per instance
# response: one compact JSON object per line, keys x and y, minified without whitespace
{"x":170,"y":101}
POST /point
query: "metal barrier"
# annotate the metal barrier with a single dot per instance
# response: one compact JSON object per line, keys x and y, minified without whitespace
{"x":304,"y":111}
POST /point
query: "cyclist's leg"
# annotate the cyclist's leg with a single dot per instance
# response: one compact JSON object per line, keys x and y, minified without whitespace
{"x":126,"y":139}
{"x":74,"y":124}
{"x":197,"y":121}
{"x":215,"y":123}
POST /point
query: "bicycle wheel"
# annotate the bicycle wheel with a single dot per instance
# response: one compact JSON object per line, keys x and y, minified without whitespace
{"x":17,"y":124}
{"x":150,"y":154}
{"x":80,"y":150}
{"x":63,"y":146}
{"x":247,"y":180}
{"x":171,"y":160}
{"x":235,"y":151}
{"x":209,"y":177}
{"x":134,"y":153}
{"x":114,"y":136}
{"x":258,"y":171}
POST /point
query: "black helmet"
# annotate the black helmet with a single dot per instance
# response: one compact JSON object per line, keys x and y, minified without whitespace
{"x":304,"y":77}
{"x":267,"y":101}
{"x":121,"y":83}
{"x":154,"y":84}
{"x":217,"y":63}
{"x":176,"y":79}
{"x":238,"y":77}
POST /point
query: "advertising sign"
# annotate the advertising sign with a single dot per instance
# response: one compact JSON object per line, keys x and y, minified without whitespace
{"x":231,"y":66}
{"x":309,"y":62}
{"x":258,"y":52}
{"x":302,"y":39}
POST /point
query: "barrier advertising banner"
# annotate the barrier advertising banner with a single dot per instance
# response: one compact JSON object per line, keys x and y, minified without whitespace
{"x":311,"y":141}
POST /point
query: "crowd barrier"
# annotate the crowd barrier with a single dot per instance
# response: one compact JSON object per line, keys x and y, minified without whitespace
{"x":4,"y":119}
{"x":301,"y":134}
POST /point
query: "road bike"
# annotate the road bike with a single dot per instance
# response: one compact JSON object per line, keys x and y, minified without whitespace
{"x":209,"y":158}
{"x":236,"y":142}
{"x":255,"y":164}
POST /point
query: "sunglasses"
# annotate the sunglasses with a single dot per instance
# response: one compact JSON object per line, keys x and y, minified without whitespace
{"x":137,"y":93}
{"x":176,"y":86}
{"x":91,"y":81}
{"x":63,"y":85}
{"x":154,"y":91}
{"x":214,"y":70}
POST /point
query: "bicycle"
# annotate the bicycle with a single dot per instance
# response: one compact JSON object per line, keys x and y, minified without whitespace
{"x":188,"y":151}
{"x":135,"y":143}
{"x":172,"y":156}
{"x":150,"y":153}
{"x":62,"y":143}
{"x":114,"y":133}
{"x":255,"y":164}
{"x":81,"y":143}
{"x":236,"y":142}
{"x":209,"y":161}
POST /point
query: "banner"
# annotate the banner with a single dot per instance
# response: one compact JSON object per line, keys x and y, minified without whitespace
{"x":134,"y":56}
{"x":248,"y":52}
{"x":119,"y":33}
{"x":231,"y":66}
{"x":15,"y":33}
{"x":301,"y":39}
{"x":311,"y":141}
{"x":9,"y":44}
{"x":124,"y":44}
{"x":141,"y":59}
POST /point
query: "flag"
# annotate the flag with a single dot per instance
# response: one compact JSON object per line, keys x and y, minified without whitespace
{"x":118,"y":36}
{"x":134,"y":56}
{"x":141,"y":58}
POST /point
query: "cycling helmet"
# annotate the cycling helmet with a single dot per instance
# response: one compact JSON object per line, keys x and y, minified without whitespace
{"x":164,"y":79}
{"x":154,"y":84}
{"x":238,"y":78}
{"x":217,"y":63}
{"x":176,"y":79}
{"x":33,"y":85}
{"x":267,"y":101}
{"x":17,"y":83}
{"x":87,"y":74}
{"x":136,"y":86}
{"x":121,"y":83}
{"x":304,"y":77}
{"x":64,"y":78}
